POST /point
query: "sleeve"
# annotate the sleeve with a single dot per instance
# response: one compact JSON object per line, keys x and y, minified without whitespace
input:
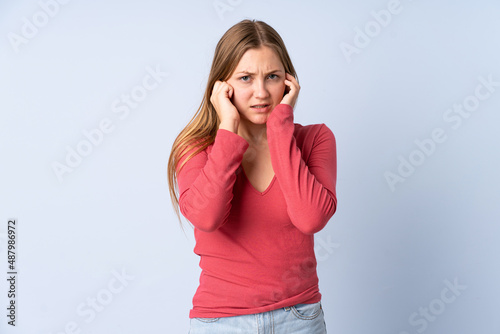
{"x":309,"y":190}
{"x":206,"y":181}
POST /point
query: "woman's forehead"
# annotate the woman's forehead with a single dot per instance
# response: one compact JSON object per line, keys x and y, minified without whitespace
{"x":257,"y":60}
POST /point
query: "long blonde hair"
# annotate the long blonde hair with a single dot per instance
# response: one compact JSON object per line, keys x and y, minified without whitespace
{"x":202,"y":128}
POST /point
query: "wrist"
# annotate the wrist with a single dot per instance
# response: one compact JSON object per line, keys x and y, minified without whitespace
{"x":230,"y":125}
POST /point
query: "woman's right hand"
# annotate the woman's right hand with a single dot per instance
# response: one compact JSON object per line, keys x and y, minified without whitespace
{"x":221,"y":100}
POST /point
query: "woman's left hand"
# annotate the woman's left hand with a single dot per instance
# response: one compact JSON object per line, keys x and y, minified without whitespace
{"x":292,"y":88}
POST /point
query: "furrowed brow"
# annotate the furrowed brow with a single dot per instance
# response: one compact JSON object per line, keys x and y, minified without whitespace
{"x":251,"y":73}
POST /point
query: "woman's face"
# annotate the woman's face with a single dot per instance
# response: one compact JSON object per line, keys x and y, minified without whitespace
{"x":258,"y":80}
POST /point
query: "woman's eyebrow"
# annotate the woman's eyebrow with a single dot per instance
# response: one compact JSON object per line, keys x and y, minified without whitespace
{"x":251,"y":73}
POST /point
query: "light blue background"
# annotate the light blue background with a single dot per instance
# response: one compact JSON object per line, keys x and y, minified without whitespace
{"x":393,"y":248}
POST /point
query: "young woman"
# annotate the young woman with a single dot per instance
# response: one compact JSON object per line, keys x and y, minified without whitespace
{"x":256,"y":186}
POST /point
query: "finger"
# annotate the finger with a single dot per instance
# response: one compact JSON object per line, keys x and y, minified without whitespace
{"x":291,"y":78}
{"x":294,"y":83}
{"x":216,"y":86}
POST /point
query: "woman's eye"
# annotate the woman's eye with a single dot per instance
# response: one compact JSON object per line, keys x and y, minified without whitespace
{"x":273,"y":76}
{"x":245,"y":78}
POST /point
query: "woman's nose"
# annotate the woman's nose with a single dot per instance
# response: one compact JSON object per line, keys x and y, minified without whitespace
{"x":260,"y":89}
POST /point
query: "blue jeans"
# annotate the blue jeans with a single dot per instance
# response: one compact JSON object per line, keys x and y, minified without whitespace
{"x":297,"y":319}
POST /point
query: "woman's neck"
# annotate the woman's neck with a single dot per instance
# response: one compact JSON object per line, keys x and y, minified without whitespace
{"x":254,"y":134}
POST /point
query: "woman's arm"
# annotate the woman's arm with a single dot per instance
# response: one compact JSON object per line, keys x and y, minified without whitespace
{"x":309,"y":190}
{"x":206,"y":181}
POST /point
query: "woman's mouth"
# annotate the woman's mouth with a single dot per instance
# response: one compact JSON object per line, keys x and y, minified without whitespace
{"x":261,"y":107}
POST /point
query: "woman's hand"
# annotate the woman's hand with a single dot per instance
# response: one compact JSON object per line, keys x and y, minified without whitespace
{"x":221,"y":100}
{"x":292,"y":90}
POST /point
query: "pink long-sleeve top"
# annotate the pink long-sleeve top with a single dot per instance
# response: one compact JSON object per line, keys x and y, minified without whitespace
{"x":257,"y":248}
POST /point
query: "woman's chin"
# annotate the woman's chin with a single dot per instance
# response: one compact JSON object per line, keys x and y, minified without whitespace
{"x":256,"y":118}
{"x":259,"y":119}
